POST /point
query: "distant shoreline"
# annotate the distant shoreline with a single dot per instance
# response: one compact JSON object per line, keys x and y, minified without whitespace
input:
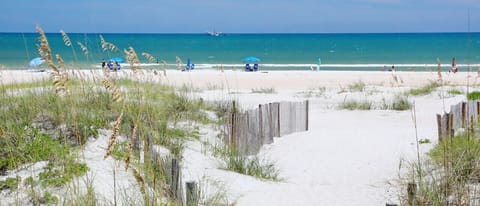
{"x":291,"y":80}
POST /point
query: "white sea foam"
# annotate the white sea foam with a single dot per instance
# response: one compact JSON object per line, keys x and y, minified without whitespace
{"x":304,"y":66}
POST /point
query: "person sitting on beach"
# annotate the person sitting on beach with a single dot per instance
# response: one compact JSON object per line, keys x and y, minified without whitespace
{"x":247,"y":68}
{"x":392,"y":69}
{"x":255,"y":67}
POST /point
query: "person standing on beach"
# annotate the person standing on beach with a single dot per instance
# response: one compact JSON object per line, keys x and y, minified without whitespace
{"x":454,"y":65}
{"x":103,"y":63}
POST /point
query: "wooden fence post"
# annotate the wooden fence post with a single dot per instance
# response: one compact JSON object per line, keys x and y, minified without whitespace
{"x":146,"y":151}
{"x":478,"y":110}
{"x":260,"y":124}
{"x":234,"y":125}
{"x":306,"y":114}
{"x":279,"y":134}
{"x":175,"y":175}
{"x":439,"y":125}
{"x":192,"y":193}
{"x":411,"y":191}
{"x":451,"y":130}
{"x":464,"y":114}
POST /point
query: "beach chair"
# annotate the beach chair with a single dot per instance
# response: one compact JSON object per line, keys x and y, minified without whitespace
{"x":255,"y":67}
{"x":248,"y":68}
{"x":110,"y":65}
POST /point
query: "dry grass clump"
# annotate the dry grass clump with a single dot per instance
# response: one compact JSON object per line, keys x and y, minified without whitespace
{"x":59,"y":75}
{"x":66,"y":39}
{"x":132,"y":58}
{"x":179,"y":63}
{"x":150,"y":58}
{"x":110,"y":85}
{"x":113,"y":137}
{"x":83,"y":48}
{"x":130,"y":146}
{"x":107,"y":46}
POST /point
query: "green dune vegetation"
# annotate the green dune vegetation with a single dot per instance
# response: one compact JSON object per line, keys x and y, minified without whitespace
{"x":52,"y":120}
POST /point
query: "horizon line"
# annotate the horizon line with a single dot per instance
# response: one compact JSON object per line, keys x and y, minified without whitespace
{"x":248,"y":33}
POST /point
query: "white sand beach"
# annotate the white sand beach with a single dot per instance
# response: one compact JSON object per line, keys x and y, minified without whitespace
{"x":345,"y":158}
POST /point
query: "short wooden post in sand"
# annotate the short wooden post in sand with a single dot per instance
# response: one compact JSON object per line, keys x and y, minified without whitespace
{"x":478,"y":111}
{"x":450,"y":130}
{"x":174,"y":175}
{"x":192,"y":191}
{"x":233,"y":134}
{"x":306,"y":114}
{"x":464,"y":115}
{"x":411,"y":192}
{"x":260,"y":125}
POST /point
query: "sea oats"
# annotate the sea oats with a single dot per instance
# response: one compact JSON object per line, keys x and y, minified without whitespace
{"x":130,"y":146}
{"x":139,"y":179}
{"x":179,"y":63}
{"x":149,"y":57}
{"x":132,"y":58}
{"x":66,"y":39}
{"x":113,"y":89}
{"x":113,"y":138}
{"x":84,"y":48}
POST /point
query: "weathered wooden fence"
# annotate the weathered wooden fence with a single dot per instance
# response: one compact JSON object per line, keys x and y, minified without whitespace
{"x":461,"y":116}
{"x":171,"y":167}
{"x":249,"y":130}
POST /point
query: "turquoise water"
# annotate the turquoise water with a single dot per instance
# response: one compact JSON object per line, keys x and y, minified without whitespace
{"x":276,"y":51}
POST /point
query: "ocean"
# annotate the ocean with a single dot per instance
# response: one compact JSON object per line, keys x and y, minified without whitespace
{"x":406,"y":51}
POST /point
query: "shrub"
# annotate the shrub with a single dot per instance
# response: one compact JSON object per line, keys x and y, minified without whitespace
{"x":10,"y":183}
{"x":473,"y":95}
{"x":454,"y":92}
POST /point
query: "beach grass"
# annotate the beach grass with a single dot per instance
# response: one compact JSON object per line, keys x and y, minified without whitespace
{"x":41,"y":125}
{"x":358,"y":86}
{"x":313,"y":92}
{"x":399,"y":103}
{"x":356,"y":105}
{"x":270,"y":90}
{"x":254,"y":166}
{"x":426,"y":89}
{"x":447,"y":176}
{"x":455,"y":92}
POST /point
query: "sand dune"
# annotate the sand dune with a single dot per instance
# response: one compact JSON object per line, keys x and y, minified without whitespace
{"x":346,"y":157}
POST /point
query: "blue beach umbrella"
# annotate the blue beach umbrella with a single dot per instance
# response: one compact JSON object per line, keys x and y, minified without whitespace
{"x":36,"y":62}
{"x":251,"y":59}
{"x":117,"y":59}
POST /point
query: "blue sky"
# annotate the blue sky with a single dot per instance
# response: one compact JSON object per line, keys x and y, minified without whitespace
{"x":235,"y":16}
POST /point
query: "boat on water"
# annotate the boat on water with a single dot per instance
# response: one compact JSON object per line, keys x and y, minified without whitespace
{"x":214,"y":33}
